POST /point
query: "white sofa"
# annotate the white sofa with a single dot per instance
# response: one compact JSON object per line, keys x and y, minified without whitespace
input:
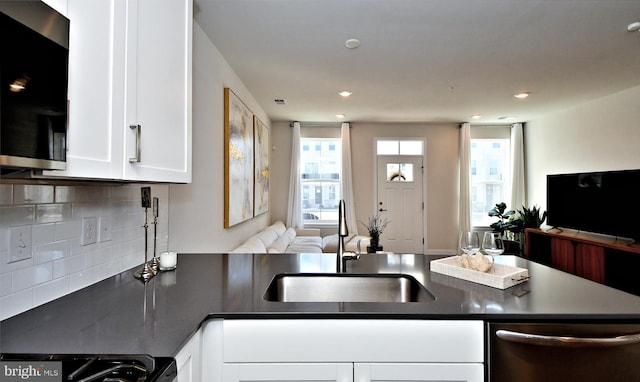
{"x":277,"y":238}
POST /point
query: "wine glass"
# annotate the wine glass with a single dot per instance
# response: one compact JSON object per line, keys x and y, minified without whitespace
{"x":469,"y":242}
{"x":492,"y":244}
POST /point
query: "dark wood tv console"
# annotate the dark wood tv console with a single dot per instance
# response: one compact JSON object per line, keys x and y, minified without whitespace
{"x":602,"y":259}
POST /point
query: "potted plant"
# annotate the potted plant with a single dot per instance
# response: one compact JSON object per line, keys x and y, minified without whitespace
{"x":532,"y":217}
{"x":375,"y":227}
{"x":511,"y":224}
{"x":504,"y":222}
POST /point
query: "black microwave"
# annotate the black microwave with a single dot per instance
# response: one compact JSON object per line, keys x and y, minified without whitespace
{"x":34,"y":61}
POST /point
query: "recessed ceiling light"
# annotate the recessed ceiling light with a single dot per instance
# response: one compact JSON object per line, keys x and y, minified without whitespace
{"x":352,"y":43}
{"x":521,"y":95}
{"x":345,"y":93}
{"x":476,"y":116}
{"x":340,"y":116}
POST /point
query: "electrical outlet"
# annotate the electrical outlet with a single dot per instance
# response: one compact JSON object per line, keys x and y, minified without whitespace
{"x":105,"y":228}
{"x":20,"y":242}
{"x":89,"y":230}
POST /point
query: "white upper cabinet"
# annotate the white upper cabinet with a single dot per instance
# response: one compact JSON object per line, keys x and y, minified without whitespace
{"x":158,"y":90}
{"x":129,"y":64}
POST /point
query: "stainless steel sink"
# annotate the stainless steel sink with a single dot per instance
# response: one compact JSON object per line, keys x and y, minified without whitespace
{"x":345,"y":287}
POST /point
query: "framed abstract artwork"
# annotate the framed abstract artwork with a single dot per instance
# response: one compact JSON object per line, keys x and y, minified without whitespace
{"x":238,"y":160}
{"x":261,"y":179}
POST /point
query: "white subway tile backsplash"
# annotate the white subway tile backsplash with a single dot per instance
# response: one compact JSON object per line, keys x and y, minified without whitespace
{"x":42,"y":233}
{"x":28,"y":277}
{"x":98,"y":257}
{"x":83,"y":279}
{"x":59,"y":263}
{"x":32,"y":194}
{"x":68,"y":230}
{"x":49,"y":213}
{"x":50,"y":290}
{"x":69,"y":265}
{"x":6,"y":194}
{"x":4,"y":239}
{"x":18,"y":215}
{"x":16,"y":303}
{"x":51,"y":251}
{"x":5,"y":284}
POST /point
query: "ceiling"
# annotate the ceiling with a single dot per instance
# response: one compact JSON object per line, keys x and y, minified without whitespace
{"x":425,"y":60}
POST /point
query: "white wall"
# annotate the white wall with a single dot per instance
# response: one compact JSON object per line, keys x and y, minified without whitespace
{"x":197,"y":209}
{"x":603,"y":134}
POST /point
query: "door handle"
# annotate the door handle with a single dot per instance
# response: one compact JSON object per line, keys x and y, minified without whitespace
{"x":382,"y":210}
{"x":138,"y":129}
{"x":567,"y":342}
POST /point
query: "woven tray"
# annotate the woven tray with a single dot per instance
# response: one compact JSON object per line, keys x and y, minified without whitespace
{"x":500,"y":276}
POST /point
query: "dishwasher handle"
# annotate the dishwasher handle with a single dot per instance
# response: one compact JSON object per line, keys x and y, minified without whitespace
{"x":567,"y":342}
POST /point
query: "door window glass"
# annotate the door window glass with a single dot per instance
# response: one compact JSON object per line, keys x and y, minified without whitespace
{"x":400,"y":172}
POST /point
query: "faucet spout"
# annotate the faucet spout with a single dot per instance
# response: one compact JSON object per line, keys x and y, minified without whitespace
{"x":343,"y":231}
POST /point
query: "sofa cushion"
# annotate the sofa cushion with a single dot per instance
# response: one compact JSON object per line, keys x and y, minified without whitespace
{"x":290,"y":233}
{"x":305,"y":244}
{"x":301,"y":247}
{"x":253,"y":245}
{"x":267,"y":236}
{"x":330,"y":243}
{"x":279,"y":228}
{"x":280,"y":245}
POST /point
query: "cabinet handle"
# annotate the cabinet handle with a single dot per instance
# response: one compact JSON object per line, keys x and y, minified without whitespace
{"x":567,"y":342}
{"x":138,"y":129}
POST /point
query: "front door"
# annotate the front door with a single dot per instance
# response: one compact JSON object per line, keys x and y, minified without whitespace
{"x":400,"y":199}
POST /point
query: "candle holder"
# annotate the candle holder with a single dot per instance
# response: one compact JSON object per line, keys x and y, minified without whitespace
{"x":155,"y":262}
{"x":146,"y":273}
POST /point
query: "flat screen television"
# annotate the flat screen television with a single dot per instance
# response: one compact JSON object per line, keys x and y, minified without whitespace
{"x":600,"y":202}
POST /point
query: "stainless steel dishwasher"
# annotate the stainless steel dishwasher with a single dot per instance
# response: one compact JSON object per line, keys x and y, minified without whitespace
{"x":563,"y":352}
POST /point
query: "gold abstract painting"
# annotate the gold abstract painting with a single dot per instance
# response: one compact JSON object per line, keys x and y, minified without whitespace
{"x":261,"y":193}
{"x":239,"y":160}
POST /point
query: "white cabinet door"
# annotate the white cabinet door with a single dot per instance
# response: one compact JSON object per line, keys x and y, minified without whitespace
{"x":96,"y":67}
{"x":188,"y":360}
{"x":312,"y":372}
{"x":426,"y":372}
{"x":158,"y":90}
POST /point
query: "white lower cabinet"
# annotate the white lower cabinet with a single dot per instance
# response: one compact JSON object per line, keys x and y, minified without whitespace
{"x":343,"y":350}
{"x":369,"y":372}
{"x":348,"y":372}
{"x":302,"y":372}
{"x":188,"y":360}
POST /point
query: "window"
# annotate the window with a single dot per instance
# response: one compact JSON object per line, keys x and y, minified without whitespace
{"x":398,"y":147}
{"x":321,"y":165}
{"x":490,"y":166}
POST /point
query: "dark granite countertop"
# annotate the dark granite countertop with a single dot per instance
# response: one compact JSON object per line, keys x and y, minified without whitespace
{"x":121,"y":315}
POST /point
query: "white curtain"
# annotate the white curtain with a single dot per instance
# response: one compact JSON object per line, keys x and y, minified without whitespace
{"x":347,"y":179}
{"x":518,"y":197}
{"x":294,"y":212}
{"x":465,"y":177}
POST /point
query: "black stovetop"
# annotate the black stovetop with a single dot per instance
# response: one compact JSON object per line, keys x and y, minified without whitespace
{"x":89,"y":368}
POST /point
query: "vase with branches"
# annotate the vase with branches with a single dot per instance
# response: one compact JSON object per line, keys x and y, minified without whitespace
{"x":375,"y":226}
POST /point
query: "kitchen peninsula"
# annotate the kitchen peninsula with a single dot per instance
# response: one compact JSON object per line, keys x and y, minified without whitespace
{"x":122,"y":315}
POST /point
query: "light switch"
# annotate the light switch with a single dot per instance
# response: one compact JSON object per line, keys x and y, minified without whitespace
{"x":20,"y":243}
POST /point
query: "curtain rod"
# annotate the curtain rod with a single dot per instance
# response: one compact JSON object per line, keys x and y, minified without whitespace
{"x":320,"y":124}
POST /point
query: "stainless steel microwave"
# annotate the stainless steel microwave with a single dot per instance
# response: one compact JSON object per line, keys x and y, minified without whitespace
{"x":34,"y":61}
